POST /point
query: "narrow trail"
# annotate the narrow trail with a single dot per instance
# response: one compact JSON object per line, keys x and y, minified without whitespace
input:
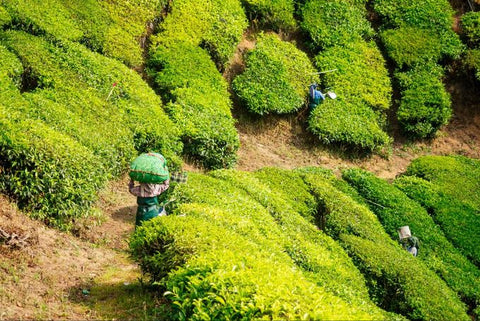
{"x":56,"y":275}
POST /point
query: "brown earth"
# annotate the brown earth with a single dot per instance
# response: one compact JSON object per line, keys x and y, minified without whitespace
{"x":54,"y":275}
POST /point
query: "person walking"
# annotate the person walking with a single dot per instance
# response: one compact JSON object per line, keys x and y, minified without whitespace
{"x":147,"y":200}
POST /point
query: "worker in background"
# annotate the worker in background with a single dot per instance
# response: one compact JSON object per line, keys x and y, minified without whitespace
{"x":316,"y":97}
{"x":147,"y":200}
{"x":409,"y":242}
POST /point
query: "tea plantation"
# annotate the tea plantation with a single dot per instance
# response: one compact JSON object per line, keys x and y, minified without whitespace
{"x":87,"y":86}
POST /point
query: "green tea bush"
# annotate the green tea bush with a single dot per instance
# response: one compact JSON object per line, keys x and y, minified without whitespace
{"x":425,"y":105}
{"x":457,"y":176}
{"x":110,"y":27}
{"x":408,"y":46}
{"x":435,"y":17}
{"x":48,"y":173}
{"x":4,"y":16}
{"x":395,"y":209}
{"x":277,"y":14}
{"x":215,"y":25}
{"x":363,"y":91}
{"x":239,"y":226}
{"x":223,"y":275}
{"x":342,"y":218}
{"x":276,"y":77}
{"x":335,"y":23}
{"x":68,"y":90}
{"x":132,"y":106}
{"x":472,"y":61}
{"x":199,"y":103}
{"x":459,"y":220}
{"x":471,"y":27}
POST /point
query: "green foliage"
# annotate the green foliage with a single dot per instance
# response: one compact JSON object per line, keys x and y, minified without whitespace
{"x":360,"y":233}
{"x":459,"y":220}
{"x":425,"y":105}
{"x":395,"y":209}
{"x":363,"y":91}
{"x":48,"y":173}
{"x":111,"y":27}
{"x":471,"y":27}
{"x":234,"y":231}
{"x":335,"y":23}
{"x":408,"y":46}
{"x":276,"y":77}
{"x":276,"y":14}
{"x":472,"y":61}
{"x":4,"y":16}
{"x":68,"y":89}
{"x":457,"y":176}
{"x":199,"y":103}
{"x":213,"y":24}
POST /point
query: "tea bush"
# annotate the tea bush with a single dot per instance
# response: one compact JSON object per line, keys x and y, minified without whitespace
{"x":278,"y":14}
{"x":112,"y":28}
{"x":238,"y":240}
{"x":343,"y":218}
{"x":432,"y":16}
{"x":425,"y":105}
{"x":471,"y":27}
{"x":276,"y":77}
{"x":215,"y":25}
{"x":363,"y":91}
{"x":457,"y":176}
{"x":459,"y":220}
{"x":223,"y":275}
{"x":48,"y":173}
{"x":472,"y":61}
{"x":4,"y":16}
{"x":395,"y":209}
{"x":199,"y":103}
{"x":408,"y":46}
{"x":335,"y":23}
{"x":68,"y":89}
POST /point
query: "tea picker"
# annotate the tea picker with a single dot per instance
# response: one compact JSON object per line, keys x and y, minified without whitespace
{"x":409,"y":242}
{"x":150,"y":169}
{"x":316,"y":96}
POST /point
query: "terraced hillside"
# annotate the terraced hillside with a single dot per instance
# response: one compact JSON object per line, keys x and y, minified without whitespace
{"x":288,"y":213}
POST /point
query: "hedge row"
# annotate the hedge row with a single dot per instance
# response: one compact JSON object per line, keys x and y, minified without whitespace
{"x":448,"y":187}
{"x":393,"y":285}
{"x":360,"y":79}
{"x":459,"y":220}
{"x":417,"y":36}
{"x":278,"y":15}
{"x":184,"y":74}
{"x":395,"y":209}
{"x":363,"y":90}
{"x":425,"y":105}
{"x":335,"y":23}
{"x":471,"y":31}
{"x":276,"y":77}
{"x":199,"y":103}
{"x":215,"y":25}
{"x":113,"y":28}
{"x":218,"y":259}
{"x":70,"y":90}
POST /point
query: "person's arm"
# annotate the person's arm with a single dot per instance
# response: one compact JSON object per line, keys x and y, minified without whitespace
{"x":135,"y":190}
{"x":164,"y":186}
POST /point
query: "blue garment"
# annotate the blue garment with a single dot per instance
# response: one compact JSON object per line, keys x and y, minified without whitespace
{"x":315,"y":94}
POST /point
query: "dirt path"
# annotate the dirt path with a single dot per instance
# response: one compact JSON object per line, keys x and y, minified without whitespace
{"x":58,"y":276}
